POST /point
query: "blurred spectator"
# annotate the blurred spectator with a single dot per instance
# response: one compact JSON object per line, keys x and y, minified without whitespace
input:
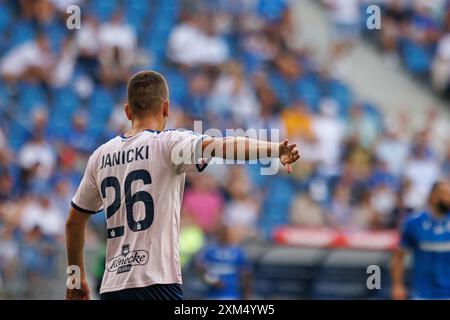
{"x":64,"y":65}
{"x":37,"y":256}
{"x":118,"y":44}
{"x":233,"y":94}
{"x":441,"y":66}
{"x":242,"y":210}
{"x":79,"y":138}
{"x":383,"y":201}
{"x":88,"y":45}
{"x":346,"y":18}
{"x":397,"y":15}
{"x":192,"y":240}
{"x":9,"y":253}
{"x":196,"y":42}
{"x":437,"y":129}
{"x":392,"y":150}
{"x":422,"y":170}
{"x":339,"y":213}
{"x":329,"y":131}
{"x":40,"y":213}
{"x":62,"y":196}
{"x":203,"y":202}
{"x":364,"y":216}
{"x":196,"y":101}
{"x":62,"y":5}
{"x":38,"y":157}
{"x":362,"y":126}
{"x":298,"y":121}
{"x":358,"y":159}
{"x":28,"y":61}
{"x":306,"y":213}
{"x":446,"y":163}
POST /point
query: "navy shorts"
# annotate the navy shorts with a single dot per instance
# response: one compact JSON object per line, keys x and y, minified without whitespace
{"x":172,"y":291}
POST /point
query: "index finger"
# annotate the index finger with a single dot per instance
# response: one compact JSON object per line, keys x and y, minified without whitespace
{"x":289,"y":168}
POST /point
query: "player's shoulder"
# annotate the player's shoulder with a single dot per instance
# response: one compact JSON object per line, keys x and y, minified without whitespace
{"x":416,"y":218}
{"x":176,"y":131}
{"x":177,"y":134}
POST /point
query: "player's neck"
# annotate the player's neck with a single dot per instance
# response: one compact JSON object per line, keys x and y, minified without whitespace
{"x":139,"y":125}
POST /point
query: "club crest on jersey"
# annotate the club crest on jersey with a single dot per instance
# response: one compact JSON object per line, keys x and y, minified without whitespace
{"x":127,"y":260}
{"x":125,"y":249}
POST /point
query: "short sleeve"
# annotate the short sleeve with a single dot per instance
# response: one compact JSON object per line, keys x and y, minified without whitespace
{"x":87,"y":199}
{"x":407,"y":239}
{"x":183,"y":150}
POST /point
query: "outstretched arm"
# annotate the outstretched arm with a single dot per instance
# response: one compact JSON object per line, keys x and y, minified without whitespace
{"x":242,"y":148}
{"x":75,"y":227}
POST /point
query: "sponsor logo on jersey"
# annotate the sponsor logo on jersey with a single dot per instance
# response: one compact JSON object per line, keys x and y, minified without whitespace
{"x":128,"y":259}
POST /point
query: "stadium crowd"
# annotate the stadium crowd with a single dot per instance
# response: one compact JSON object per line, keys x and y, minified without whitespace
{"x":230,"y":64}
{"x":414,"y":34}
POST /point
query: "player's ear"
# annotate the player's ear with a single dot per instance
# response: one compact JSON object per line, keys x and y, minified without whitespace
{"x":127,"y":110}
{"x":166,"y":108}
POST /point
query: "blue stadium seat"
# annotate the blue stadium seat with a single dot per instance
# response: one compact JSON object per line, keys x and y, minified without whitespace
{"x":138,"y":7}
{"x":59,"y":125}
{"x":417,"y":58}
{"x":4,"y":98}
{"x":96,"y":126}
{"x":309,"y":92}
{"x":251,"y":62}
{"x":272,"y":9}
{"x":178,"y":86}
{"x":23,"y":31}
{"x":136,"y":21}
{"x":31,"y":96}
{"x":137,"y":13}
{"x":56,"y":34}
{"x":342,"y":94}
{"x":18,"y":133}
{"x":279,"y":87}
{"x":65,"y":102}
{"x":5,"y":18}
{"x":280,"y":193}
{"x":375,"y":114}
{"x":101,"y":104}
{"x":104,"y":9}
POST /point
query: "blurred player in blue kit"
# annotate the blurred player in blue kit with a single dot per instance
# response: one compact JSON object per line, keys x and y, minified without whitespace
{"x":427,"y":236}
{"x":225,"y":268}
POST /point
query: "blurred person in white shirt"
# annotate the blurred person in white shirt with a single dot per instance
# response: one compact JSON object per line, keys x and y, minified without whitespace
{"x":305,"y":212}
{"x":346,"y":17}
{"x":87,"y":43}
{"x":232,"y":92}
{"x":329,"y":132}
{"x":39,"y":155}
{"x":441,"y":65}
{"x":29,"y":60}
{"x":118,"y":44}
{"x":242,"y":211}
{"x":39,"y":212}
{"x":422,"y":170}
{"x":392,"y":150}
{"x":64,"y":66}
{"x":196,"y":42}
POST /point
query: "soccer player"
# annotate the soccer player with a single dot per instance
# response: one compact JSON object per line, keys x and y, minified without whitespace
{"x":224,"y":268}
{"x":427,"y":235}
{"x":138,"y":178}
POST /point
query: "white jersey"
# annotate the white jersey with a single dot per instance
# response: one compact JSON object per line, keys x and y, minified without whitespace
{"x":140,"y":186}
